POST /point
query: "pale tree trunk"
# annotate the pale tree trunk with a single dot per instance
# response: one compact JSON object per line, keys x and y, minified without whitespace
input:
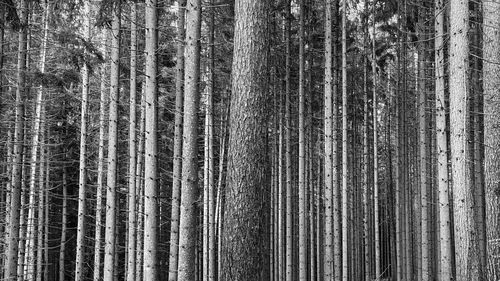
{"x":100,"y":165}
{"x":376,"y":214}
{"x":82,"y":180}
{"x":15,"y":201}
{"x":132,"y":225}
{"x":345,"y":191}
{"x":445,"y":272}
{"x":64,"y":224}
{"x":466,"y":264}
{"x":151,"y":147}
{"x":245,"y":241}
{"x":288,"y":147}
{"x":29,"y":258}
{"x":139,"y":174}
{"x":188,"y":233}
{"x":366,"y":192}
{"x":177,"y":165}
{"x":210,"y":145}
{"x":111,"y":179}
{"x":422,"y":135}
{"x":302,"y":153}
{"x":46,"y":210}
{"x":491,"y":84}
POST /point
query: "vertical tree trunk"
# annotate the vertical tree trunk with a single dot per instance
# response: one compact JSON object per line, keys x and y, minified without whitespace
{"x":491,"y":84}
{"x":64,"y":225}
{"x":441,"y":143}
{"x":345,"y":191}
{"x":189,"y":211}
{"x":82,"y":180}
{"x":132,"y":223}
{"x":111,"y":179}
{"x":139,"y":174}
{"x":177,"y":165}
{"x":245,"y":242}
{"x":41,"y":200}
{"x":151,"y":147}
{"x":288,"y":148}
{"x":329,"y":147}
{"x":302,"y":153}
{"x":15,"y":201}
{"x":100,"y":165}
{"x":466,"y":264}
{"x":375,"y":152}
{"x":46,"y":215}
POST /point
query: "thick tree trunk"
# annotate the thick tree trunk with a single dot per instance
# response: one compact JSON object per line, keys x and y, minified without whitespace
{"x":189,"y":210}
{"x":345,"y":190}
{"x":64,"y":225}
{"x":111,"y":179}
{"x":245,"y":241}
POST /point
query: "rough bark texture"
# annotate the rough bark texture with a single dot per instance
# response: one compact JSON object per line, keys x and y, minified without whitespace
{"x":111,"y":179}
{"x":491,"y":84}
{"x":245,"y":242}
{"x":466,"y":261}
{"x":188,"y":232}
{"x":151,"y":147}
{"x":177,"y":161}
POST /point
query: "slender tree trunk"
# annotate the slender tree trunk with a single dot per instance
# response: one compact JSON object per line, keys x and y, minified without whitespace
{"x":245,"y":242}
{"x":151,"y":147}
{"x":329,"y":147}
{"x":111,"y":179}
{"x":46,"y":215}
{"x":139,"y":174}
{"x":491,"y":84}
{"x":15,"y":201}
{"x":177,"y":165}
{"x":445,"y":257}
{"x":82,"y":181}
{"x":100,"y":166}
{"x":132,"y":216}
{"x":64,"y":225}
{"x":302,"y":152}
{"x":189,"y":211}
{"x":375,"y":152}
{"x":345,"y":191}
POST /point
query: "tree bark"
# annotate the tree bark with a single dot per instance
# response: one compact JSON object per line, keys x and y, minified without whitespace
{"x":245,"y":241}
{"x":111,"y":179}
{"x":189,"y":206}
{"x":177,"y":162}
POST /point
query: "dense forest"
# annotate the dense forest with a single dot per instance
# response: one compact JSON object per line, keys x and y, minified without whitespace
{"x":247,"y":140}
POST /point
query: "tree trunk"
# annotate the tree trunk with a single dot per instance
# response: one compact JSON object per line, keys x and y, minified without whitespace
{"x":100,"y":165}
{"x":177,"y":165}
{"x":189,"y":210}
{"x":132,"y":223}
{"x":64,"y":225}
{"x":245,"y":242}
{"x":111,"y":179}
{"x":441,"y":143}
{"x":491,"y":84}
{"x":151,"y":147}
{"x":345,"y":191}
{"x":82,"y":180}
{"x":302,"y":153}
